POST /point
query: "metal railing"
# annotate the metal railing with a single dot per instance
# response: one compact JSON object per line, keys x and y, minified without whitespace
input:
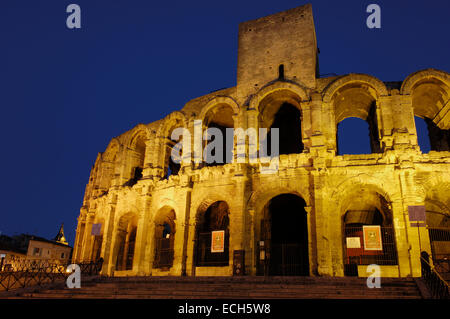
{"x":164,"y":253}
{"x":204,"y":256}
{"x":440,"y":248}
{"x":438,"y":287}
{"x":27,"y":273}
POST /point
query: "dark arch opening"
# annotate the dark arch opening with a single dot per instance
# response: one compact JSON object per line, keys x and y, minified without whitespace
{"x":227,"y":146}
{"x":284,"y":231}
{"x":439,"y":139}
{"x":164,"y":239}
{"x":288,"y":121}
{"x":214,"y":221}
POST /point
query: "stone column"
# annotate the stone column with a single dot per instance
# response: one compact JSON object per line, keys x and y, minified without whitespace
{"x":407,"y":237}
{"x":108,"y":240}
{"x":317,"y":138}
{"x":238,"y":218}
{"x":141,"y":266}
{"x":184,"y":231}
{"x":87,"y":240}
{"x":79,"y":239}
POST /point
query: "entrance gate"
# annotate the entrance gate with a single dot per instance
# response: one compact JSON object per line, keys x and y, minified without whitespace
{"x":283,"y":249}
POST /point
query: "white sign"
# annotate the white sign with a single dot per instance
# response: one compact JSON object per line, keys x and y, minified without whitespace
{"x":2,"y":255}
{"x":353,"y":242}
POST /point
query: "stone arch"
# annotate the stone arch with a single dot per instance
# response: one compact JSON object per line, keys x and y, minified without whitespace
{"x":295,"y":91}
{"x":217,"y":101}
{"x":136,"y":154}
{"x":279,"y":106}
{"x":211,"y":216}
{"x":111,"y":153}
{"x":164,"y":236}
{"x":362,"y":79}
{"x":436,"y":197}
{"x":171,"y":121}
{"x":282,"y":223}
{"x":219,"y":115}
{"x":110,"y":159}
{"x":430,"y":97}
{"x":418,"y":76}
{"x":259,"y":198}
{"x":356,"y":95}
{"x":353,"y":184}
{"x":174,"y":120}
{"x":125,"y":241}
{"x":139,"y":131}
{"x":362,"y":201}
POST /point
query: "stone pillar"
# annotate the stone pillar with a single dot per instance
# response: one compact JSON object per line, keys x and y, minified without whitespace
{"x":408,"y":242}
{"x":317,"y":138}
{"x":318,"y":230}
{"x":184,"y":231}
{"x":78,"y":244}
{"x":127,"y":246}
{"x":306,"y":125}
{"x":384,"y":123}
{"x":239,"y":239}
{"x":251,"y":259}
{"x":109,"y":241}
{"x":141,"y":266}
{"x":87,"y":240}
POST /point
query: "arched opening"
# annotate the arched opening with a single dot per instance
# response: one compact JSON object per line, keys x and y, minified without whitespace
{"x":218,"y":149}
{"x":356,"y":101}
{"x":126,"y":242}
{"x":108,"y":168}
{"x":353,"y":137}
{"x":284,"y":237}
{"x":281,"y":110}
{"x":172,"y":165}
{"x":368,"y":232}
{"x":213,"y":236}
{"x":430,"y":98}
{"x":137,"y":159}
{"x":164,"y":238}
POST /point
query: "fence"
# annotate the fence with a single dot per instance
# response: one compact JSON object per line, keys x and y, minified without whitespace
{"x":361,"y":256}
{"x":438,"y":287}
{"x":26,"y":273}
{"x":204,"y":256}
{"x":440,"y":248}
{"x":164,"y":253}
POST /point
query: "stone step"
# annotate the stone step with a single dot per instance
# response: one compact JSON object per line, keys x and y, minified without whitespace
{"x":235,"y":288}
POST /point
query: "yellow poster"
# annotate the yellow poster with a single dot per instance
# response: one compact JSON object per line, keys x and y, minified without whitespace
{"x":217,"y":241}
{"x":372,"y":238}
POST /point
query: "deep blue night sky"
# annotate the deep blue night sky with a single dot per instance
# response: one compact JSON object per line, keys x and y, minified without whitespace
{"x":65,"y":93}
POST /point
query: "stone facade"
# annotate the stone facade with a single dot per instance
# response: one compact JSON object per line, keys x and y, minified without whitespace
{"x":143,"y":212}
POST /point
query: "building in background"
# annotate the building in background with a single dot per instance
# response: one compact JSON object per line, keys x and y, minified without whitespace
{"x":23,"y":249}
{"x":320,"y":213}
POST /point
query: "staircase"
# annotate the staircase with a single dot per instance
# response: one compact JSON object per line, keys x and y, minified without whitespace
{"x":229,"y":288}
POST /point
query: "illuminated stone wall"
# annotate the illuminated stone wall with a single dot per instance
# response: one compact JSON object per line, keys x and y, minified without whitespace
{"x":128,"y":188}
